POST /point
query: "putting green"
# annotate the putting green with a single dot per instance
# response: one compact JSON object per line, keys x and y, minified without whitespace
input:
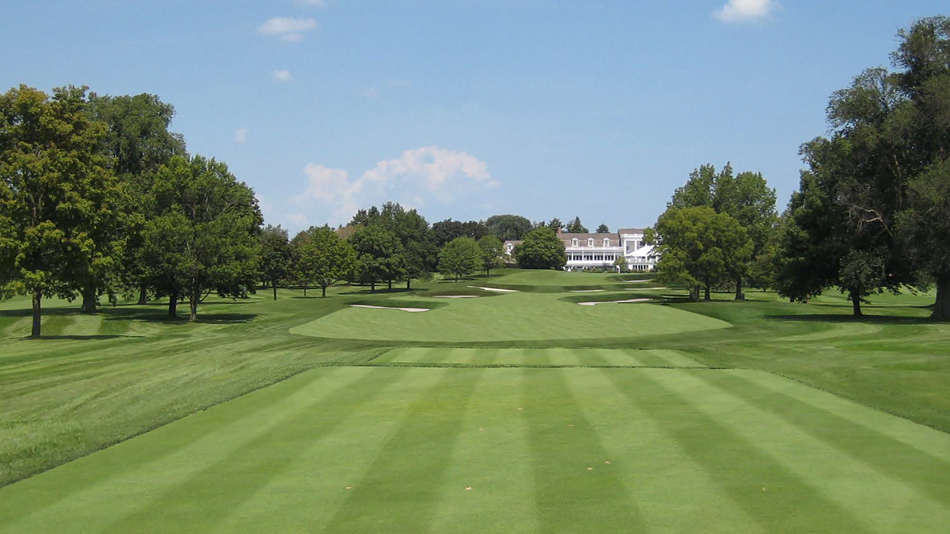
{"x":382,"y":450}
{"x":539,"y":357}
{"x":508,"y":317}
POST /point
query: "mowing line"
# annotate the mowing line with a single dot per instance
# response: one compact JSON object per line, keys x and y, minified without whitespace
{"x":670,"y":489}
{"x":915,"y":435}
{"x":307,"y":493}
{"x":69,"y":496}
{"x":787,"y":504}
{"x":397,"y":494}
{"x":575,"y":491}
{"x":233,"y":477}
{"x":490,"y":456}
{"x":876,"y":450}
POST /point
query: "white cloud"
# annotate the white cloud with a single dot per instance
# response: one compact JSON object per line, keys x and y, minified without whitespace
{"x":240,"y":136}
{"x":369,"y":92}
{"x":745,"y":10}
{"x":413,"y":178}
{"x":287,"y":29}
{"x":282,"y":75}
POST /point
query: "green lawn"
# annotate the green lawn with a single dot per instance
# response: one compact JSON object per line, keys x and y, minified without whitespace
{"x":760,"y":416}
{"x":368,"y":450}
{"x":509,"y":317}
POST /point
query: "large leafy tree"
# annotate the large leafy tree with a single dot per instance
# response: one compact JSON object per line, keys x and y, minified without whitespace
{"x":276,"y":256}
{"x":447,"y":230}
{"x":56,"y":195}
{"x":205,"y":236}
{"x":746,"y":197}
{"x":698,"y":247}
{"x":323,"y":257}
{"x":541,"y":249}
{"x":491,"y":253}
{"x":508,"y":227}
{"x":139,"y":142}
{"x":460,"y":257}
{"x":379,"y":254}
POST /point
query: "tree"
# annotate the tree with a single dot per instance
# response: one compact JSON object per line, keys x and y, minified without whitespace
{"x":508,"y":227}
{"x":491,"y":253}
{"x":555,"y":225}
{"x":460,"y":257}
{"x":418,"y":240}
{"x":55,"y":195}
{"x":138,"y":141}
{"x":698,"y":247}
{"x":621,"y":263}
{"x":379,"y":254}
{"x":746,"y":197}
{"x":575,"y":226}
{"x":541,"y":249}
{"x":603,"y":229}
{"x":448,"y":230}
{"x":205,"y":235}
{"x":276,"y":255}
{"x":324,"y":257}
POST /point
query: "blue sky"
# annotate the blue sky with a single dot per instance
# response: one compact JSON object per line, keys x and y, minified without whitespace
{"x":468,"y":108}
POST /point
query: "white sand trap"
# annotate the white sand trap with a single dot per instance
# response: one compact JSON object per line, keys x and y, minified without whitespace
{"x":412,"y":310}
{"x":613,"y":302}
{"x":587,"y":291}
{"x":495,"y":289}
{"x":643,"y":288}
{"x":455,"y":296}
{"x":634,"y":281}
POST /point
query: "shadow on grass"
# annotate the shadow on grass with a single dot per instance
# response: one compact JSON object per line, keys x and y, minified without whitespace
{"x":871,"y":319}
{"x":91,"y":337}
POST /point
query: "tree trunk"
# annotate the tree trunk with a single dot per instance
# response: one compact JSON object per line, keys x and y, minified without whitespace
{"x":305,"y":290}
{"x":143,"y":296}
{"x":856,"y":303}
{"x":173,"y":306}
{"x":389,"y":283}
{"x":275,"y":291}
{"x":372,"y":286}
{"x":739,"y":294}
{"x":456,"y":277}
{"x":195,"y":297}
{"x":37,"y":313}
{"x":942,"y":305}
{"x":706,"y":295}
{"x":408,"y":283}
{"x":694,"y":294}
{"x":89,"y":298}
{"x":324,"y":288}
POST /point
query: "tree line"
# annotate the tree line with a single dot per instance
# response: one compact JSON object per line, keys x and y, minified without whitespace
{"x":872,"y":210}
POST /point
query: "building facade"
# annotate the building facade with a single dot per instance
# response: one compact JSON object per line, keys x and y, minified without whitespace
{"x":600,"y":251}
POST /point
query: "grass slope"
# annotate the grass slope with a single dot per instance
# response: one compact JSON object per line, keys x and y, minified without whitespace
{"x":366,"y":450}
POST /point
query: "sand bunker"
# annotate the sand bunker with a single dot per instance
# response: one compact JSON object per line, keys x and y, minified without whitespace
{"x":412,"y":310}
{"x":634,"y":281}
{"x":495,"y":289}
{"x":455,"y":296}
{"x":587,"y":291}
{"x":613,"y":302}
{"x":643,"y":288}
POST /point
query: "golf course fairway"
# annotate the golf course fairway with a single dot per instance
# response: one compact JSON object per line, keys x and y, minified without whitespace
{"x":367,"y":450}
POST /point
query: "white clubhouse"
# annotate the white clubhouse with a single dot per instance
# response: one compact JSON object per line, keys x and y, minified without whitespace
{"x":601,"y":250}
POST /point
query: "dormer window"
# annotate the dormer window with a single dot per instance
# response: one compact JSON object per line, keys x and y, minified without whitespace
{"x":606,"y":242}
{"x":574,"y":242}
{"x":590,"y":242}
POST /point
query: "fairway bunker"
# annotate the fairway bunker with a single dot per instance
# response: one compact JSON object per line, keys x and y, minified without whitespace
{"x":588,"y":291}
{"x":613,"y":302}
{"x":495,"y":289}
{"x":411,"y":310}
{"x":455,"y":296}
